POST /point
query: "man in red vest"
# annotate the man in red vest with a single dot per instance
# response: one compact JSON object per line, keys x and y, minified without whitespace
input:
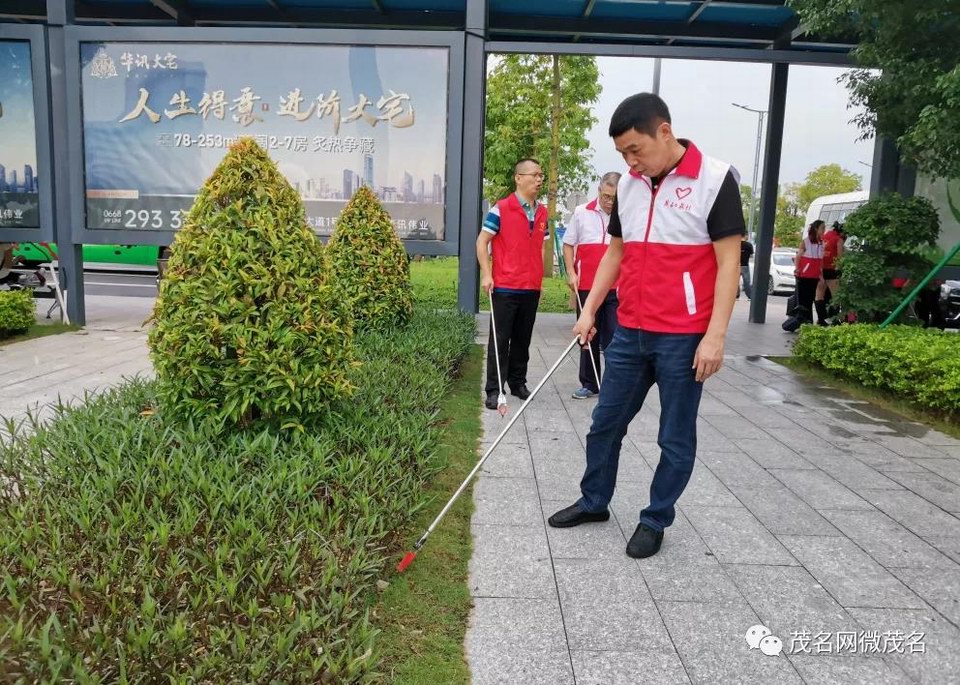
{"x":513,"y":233}
{"x":675,"y":246}
{"x":584,"y":244}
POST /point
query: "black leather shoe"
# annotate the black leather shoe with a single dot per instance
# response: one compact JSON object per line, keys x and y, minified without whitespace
{"x":645,"y":542}
{"x":491,"y":401}
{"x":574,"y":516}
{"x":523,"y":392}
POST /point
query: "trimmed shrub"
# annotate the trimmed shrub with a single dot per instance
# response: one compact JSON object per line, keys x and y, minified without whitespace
{"x":896,"y":237}
{"x":17,"y":312}
{"x":371,"y":264}
{"x":921,"y":365}
{"x":248,"y":323}
{"x":135,"y":548}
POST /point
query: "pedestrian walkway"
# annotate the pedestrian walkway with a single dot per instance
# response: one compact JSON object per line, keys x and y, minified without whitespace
{"x":830,"y":522}
{"x":34,"y":374}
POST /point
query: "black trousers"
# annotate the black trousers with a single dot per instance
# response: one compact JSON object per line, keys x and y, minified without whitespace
{"x":606,"y":324}
{"x":514,"y":314}
{"x":806,"y":292}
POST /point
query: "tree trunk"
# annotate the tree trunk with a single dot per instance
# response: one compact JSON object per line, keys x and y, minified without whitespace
{"x":552,"y":180}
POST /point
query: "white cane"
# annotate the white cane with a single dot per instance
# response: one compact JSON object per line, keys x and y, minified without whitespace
{"x":593,"y":362}
{"x":502,"y":397}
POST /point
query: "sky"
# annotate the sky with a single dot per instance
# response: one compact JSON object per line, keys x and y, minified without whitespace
{"x":817,"y":128}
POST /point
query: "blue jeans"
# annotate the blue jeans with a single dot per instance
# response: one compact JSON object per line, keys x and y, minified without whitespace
{"x":635,"y":360}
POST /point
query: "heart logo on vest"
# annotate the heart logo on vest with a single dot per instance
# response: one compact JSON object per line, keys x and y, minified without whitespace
{"x":683,"y":192}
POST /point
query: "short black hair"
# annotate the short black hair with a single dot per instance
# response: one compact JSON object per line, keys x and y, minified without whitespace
{"x":516,"y":167}
{"x":642,"y":112}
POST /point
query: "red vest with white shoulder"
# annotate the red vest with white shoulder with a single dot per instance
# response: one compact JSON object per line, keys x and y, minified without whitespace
{"x":668,"y":271}
{"x":592,"y":242}
{"x":517,"y":247}
{"x":811,"y":263}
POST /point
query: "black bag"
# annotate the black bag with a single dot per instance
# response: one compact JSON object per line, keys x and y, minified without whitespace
{"x":792,"y":305}
{"x":800,"y":316}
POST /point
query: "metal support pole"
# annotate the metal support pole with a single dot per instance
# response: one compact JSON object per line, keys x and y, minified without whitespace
{"x":60,"y":13}
{"x":471,"y":182}
{"x":768,"y":198}
{"x":656,"y":75}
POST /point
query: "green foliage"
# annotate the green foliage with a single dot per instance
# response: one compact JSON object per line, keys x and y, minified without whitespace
{"x":17,"y":312}
{"x":248,"y":323}
{"x":519,"y":103}
{"x":370,"y":264}
{"x":917,"y":364}
{"x":435,"y":287}
{"x":895,"y":236}
{"x":829,"y":179}
{"x":140,"y":549}
{"x":909,"y":82}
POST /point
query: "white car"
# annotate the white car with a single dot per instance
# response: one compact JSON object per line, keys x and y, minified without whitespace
{"x":782,"y":266}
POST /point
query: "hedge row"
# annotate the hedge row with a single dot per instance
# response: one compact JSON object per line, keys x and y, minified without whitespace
{"x":917,"y":364}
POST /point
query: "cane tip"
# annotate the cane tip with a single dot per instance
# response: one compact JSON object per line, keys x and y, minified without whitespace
{"x":406,"y":561}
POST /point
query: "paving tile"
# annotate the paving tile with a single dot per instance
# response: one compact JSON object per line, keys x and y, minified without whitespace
{"x":628,"y":668}
{"x":849,"y":670}
{"x":508,"y":460}
{"x":886,"y":541}
{"x":909,"y":447}
{"x":738,"y":428}
{"x":735,"y":536}
{"x":947,"y":544}
{"x":933,"y":488}
{"x":535,"y":625}
{"x":852,"y":473}
{"x":781,"y":511}
{"x":788,"y":600}
{"x":506,"y":501}
{"x":736,"y":468}
{"x":849,"y":573}
{"x":705,"y":489}
{"x":771,"y":454}
{"x":914,"y":512}
{"x":948,"y":468}
{"x":939,"y":587}
{"x":511,"y":561}
{"x":672,"y":579}
{"x":938,"y":663}
{"x":606,"y":606}
{"x":710,"y":639}
{"x":819,"y":489}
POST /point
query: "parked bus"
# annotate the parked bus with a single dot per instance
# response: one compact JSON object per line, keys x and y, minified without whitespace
{"x":108,"y":257}
{"x":832,"y":208}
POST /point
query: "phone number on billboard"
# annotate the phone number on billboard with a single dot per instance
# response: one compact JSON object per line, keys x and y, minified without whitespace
{"x":143,"y":218}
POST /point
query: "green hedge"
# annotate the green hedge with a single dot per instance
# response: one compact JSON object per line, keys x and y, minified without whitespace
{"x":17,"y":312}
{"x":916,"y":364}
{"x":137,"y":550}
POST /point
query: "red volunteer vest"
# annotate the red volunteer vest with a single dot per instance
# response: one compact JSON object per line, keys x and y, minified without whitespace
{"x":589,"y":254}
{"x":811,"y":263}
{"x":668,"y":271}
{"x":518,"y":250}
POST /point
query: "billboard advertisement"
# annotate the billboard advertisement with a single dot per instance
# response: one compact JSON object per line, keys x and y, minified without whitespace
{"x":19,"y":185}
{"x":158,"y":118}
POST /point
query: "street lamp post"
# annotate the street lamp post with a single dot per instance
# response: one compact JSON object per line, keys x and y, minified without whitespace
{"x":756,"y":164}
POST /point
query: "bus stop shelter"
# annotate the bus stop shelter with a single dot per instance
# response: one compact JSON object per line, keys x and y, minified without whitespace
{"x":69,"y":43}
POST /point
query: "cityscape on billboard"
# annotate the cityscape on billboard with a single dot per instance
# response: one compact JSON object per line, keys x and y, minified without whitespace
{"x":157,"y":119}
{"x":19,"y":186}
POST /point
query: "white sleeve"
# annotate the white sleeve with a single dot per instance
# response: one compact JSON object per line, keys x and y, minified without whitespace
{"x":572,"y":235}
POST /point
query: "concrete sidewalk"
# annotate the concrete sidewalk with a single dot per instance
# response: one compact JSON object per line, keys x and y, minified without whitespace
{"x":820,"y":517}
{"x":113,"y":346}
